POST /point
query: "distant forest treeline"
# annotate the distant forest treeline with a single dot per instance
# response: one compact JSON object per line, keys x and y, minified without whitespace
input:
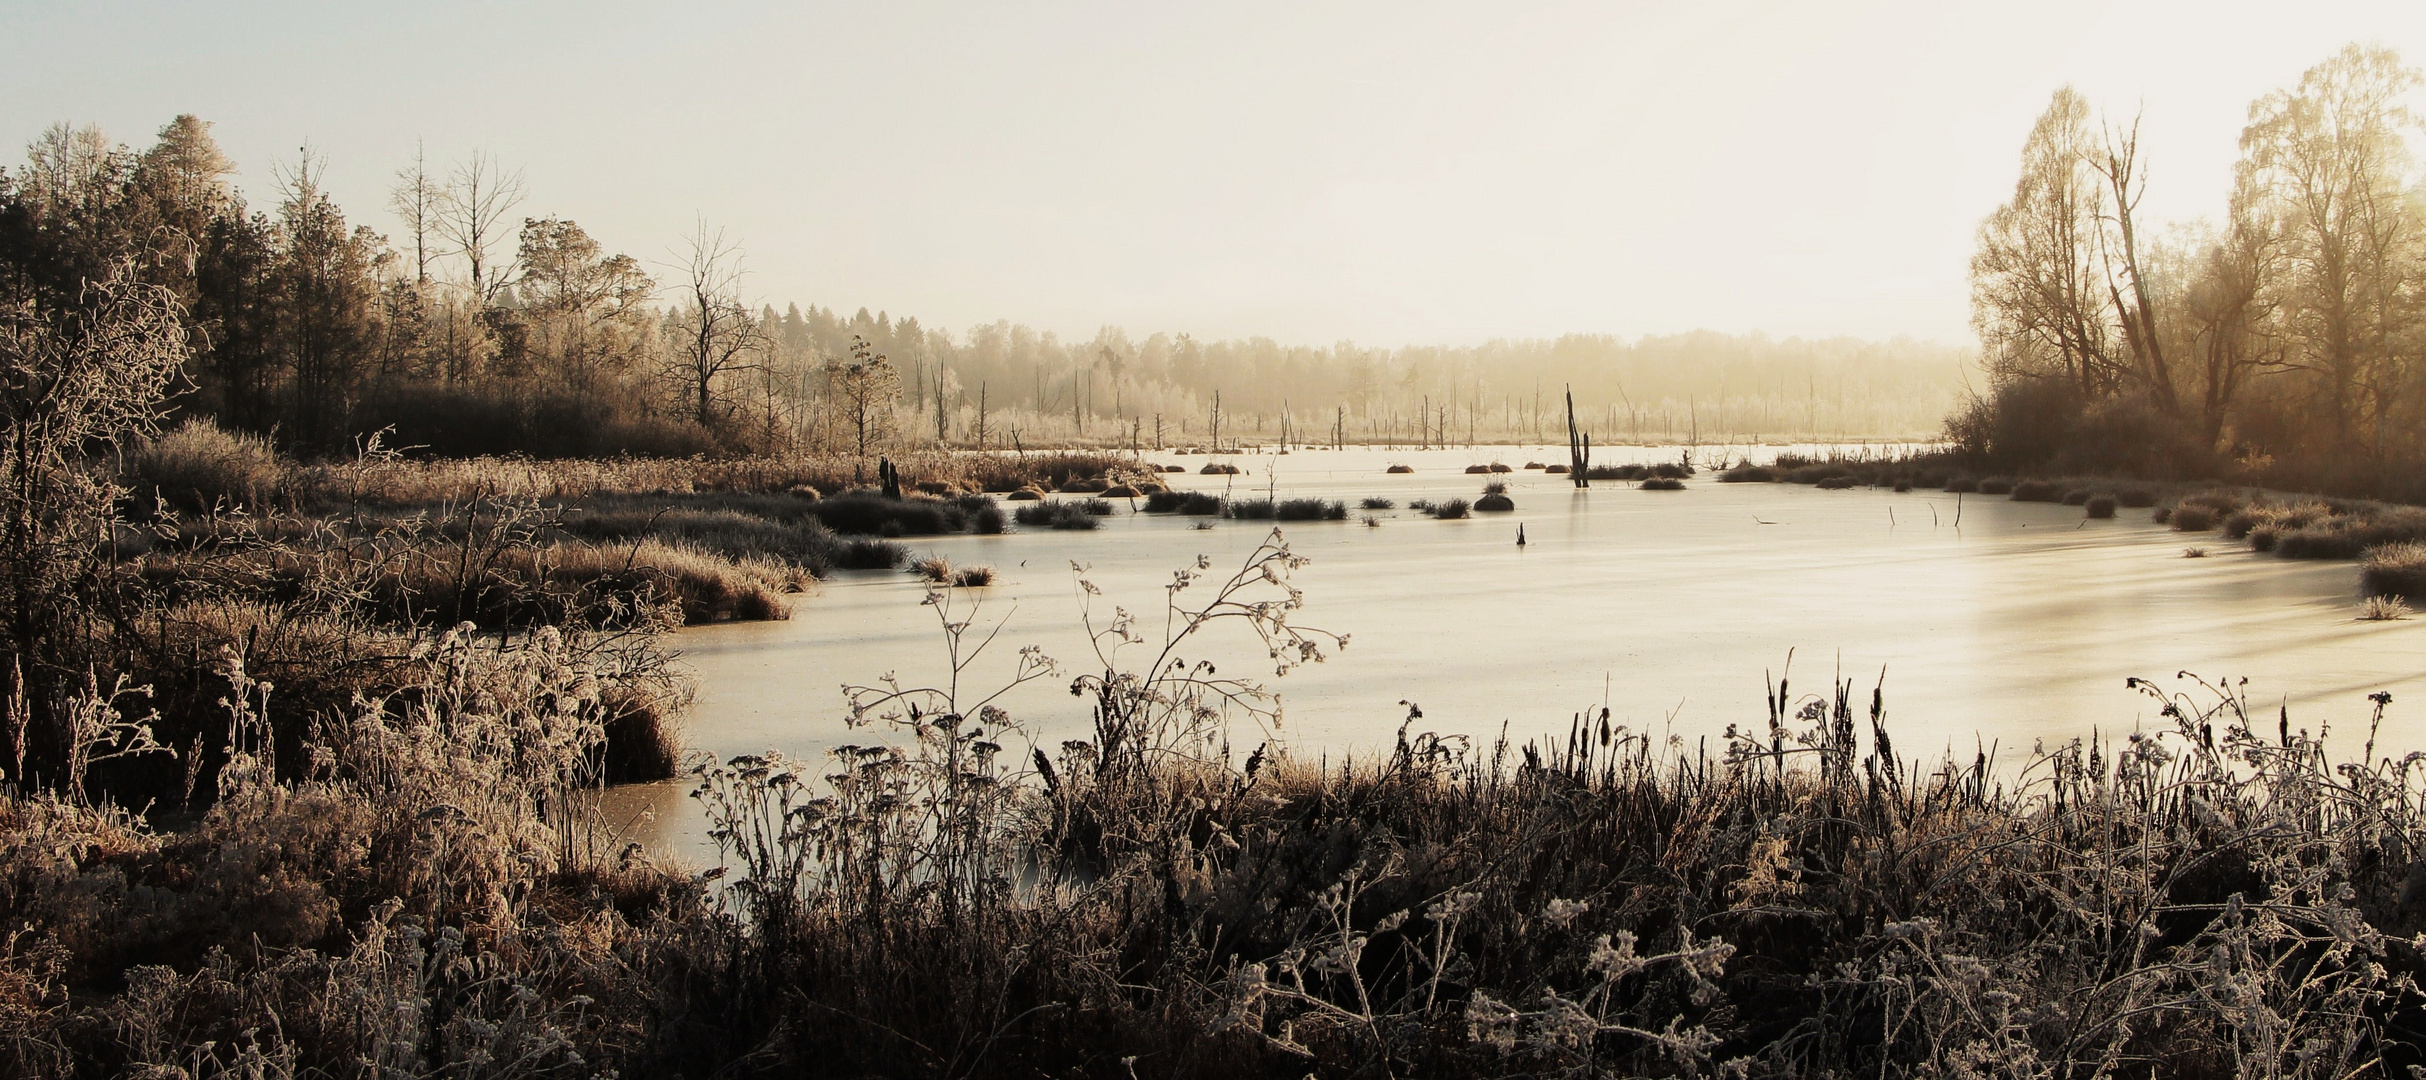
{"x":476,"y":329}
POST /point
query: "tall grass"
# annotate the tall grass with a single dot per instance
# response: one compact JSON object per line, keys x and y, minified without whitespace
{"x":197,"y":467}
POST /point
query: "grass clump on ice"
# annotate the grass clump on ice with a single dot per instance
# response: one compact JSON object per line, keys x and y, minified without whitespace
{"x":1310,"y":510}
{"x":2395,"y":569}
{"x":941,"y":571}
{"x":1073,"y":515}
{"x":1182,"y":502}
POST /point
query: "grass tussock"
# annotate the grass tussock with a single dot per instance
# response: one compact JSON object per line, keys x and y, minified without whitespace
{"x":1747,"y":474}
{"x":1183,"y":502}
{"x":1996,"y":485}
{"x":1399,"y":470}
{"x":1068,"y":515}
{"x":2352,"y":530}
{"x":938,"y":570}
{"x":870,"y":555}
{"x":197,"y":467}
{"x":1663,"y":483}
{"x":1310,"y":510}
{"x":1449,"y":509}
{"x":1377,"y":502}
{"x":1835,"y":483}
{"x":2396,"y":569}
{"x":2045,"y":491}
{"x":2383,"y":609}
{"x":1962,"y":485}
{"x":2098,"y":507}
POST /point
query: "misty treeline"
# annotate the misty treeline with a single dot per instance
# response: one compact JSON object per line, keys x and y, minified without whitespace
{"x":2283,"y":342}
{"x":476,"y":327}
{"x":1003,"y":380}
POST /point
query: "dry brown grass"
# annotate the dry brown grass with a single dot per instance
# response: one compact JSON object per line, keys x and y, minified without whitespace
{"x":400,"y":482}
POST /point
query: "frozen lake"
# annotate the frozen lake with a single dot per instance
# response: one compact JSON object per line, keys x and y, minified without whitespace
{"x":2017,"y":626}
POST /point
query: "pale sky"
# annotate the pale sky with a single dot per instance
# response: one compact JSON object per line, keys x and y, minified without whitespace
{"x":1393,"y":172}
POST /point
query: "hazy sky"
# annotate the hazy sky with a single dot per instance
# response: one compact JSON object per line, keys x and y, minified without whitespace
{"x":1392,"y":172}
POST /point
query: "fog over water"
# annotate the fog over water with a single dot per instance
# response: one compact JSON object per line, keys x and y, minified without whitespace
{"x":2020,"y":625}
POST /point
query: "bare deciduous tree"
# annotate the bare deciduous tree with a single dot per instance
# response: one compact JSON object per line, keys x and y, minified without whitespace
{"x":416,"y":199}
{"x":712,"y":333}
{"x":472,"y":212}
{"x":2037,"y":300}
{"x":2332,"y":158}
